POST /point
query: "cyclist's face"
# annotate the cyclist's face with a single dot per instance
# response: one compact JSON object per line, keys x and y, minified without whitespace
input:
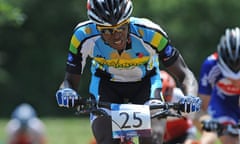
{"x":116,"y":37}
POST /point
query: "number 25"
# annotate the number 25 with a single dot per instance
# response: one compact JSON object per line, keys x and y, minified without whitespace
{"x":135,"y":117}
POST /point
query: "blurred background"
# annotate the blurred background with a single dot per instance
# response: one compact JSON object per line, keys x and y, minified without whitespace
{"x":35,"y":35}
{"x":34,"y":40}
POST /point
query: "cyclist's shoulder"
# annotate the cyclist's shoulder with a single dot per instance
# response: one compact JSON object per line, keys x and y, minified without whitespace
{"x":146,"y":25}
{"x":210,"y":61}
{"x":85,"y":29}
{"x":212,"y":57}
{"x":210,"y":70}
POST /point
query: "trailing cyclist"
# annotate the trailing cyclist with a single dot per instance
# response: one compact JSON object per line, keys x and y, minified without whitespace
{"x":219,"y":86}
{"x":25,"y":127}
{"x":178,"y":130}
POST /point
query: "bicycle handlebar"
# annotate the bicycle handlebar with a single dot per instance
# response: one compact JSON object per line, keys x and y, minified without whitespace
{"x":165,"y":110}
{"x":87,"y":105}
{"x":221,"y":129}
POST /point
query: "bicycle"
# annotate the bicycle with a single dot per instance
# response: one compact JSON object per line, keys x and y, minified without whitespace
{"x":130,"y":120}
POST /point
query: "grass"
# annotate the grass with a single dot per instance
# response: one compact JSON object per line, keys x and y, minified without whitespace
{"x":74,"y":130}
{"x":61,"y":130}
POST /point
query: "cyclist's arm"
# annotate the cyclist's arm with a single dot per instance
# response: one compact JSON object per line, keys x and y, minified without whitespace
{"x":175,"y":64}
{"x":70,"y":81}
{"x":205,"y":86}
{"x":184,"y":75}
{"x":205,"y":101}
{"x":203,"y":115}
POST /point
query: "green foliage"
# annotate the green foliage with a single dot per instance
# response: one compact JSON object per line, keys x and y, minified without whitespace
{"x":193,"y":26}
{"x":10,"y":14}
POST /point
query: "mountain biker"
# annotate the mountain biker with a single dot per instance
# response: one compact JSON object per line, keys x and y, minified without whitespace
{"x":178,"y":130}
{"x":125,"y":53}
{"x":219,"y":85}
{"x":25,"y":127}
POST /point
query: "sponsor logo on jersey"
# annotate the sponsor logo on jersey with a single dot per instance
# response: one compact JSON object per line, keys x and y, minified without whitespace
{"x":226,"y":87}
{"x":122,"y":61}
{"x":70,"y":57}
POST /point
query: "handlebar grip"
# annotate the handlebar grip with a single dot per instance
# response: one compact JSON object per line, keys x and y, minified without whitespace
{"x":84,"y":101}
{"x":104,"y":104}
{"x":175,"y":106}
{"x":93,"y":103}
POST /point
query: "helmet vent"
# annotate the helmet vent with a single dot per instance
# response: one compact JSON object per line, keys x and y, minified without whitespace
{"x":109,"y":12}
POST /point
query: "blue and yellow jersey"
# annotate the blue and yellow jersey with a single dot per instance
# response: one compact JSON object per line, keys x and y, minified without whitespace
{"x":148,"y":41}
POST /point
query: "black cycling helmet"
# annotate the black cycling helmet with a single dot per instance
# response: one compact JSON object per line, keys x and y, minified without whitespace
{"x":229,"y":53}
{"x":109,"y":12}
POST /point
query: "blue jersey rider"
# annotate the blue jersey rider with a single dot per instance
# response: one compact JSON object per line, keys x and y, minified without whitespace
{"x":219,"y":85}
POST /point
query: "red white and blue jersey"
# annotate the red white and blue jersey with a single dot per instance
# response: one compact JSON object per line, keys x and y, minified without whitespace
{"x":224,"y":102}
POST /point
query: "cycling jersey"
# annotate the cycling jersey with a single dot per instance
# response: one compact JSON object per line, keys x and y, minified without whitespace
{"x":147,"y":44}
{"x":224,"y":102}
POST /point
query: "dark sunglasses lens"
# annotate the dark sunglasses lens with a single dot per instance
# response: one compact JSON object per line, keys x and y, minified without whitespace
{"x":106,"y":31}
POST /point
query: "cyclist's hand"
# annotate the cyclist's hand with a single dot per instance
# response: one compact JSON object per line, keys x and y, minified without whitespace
{"x":211,"y":125}
{"x":66,"y":97}
{"x":190,"y":104}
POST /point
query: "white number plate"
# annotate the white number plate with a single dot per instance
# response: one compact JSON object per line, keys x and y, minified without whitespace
{"x":130,"y":120}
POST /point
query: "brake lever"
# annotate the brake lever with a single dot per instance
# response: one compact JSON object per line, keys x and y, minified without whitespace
{"x":180,"y":115}
{"x":84,"y":106}
{"x":159,"y":115}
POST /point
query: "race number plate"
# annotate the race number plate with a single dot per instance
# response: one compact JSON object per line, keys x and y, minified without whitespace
{"x":130,"y":120}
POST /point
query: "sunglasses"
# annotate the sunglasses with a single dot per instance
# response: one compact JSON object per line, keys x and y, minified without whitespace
{"x":113,"y":29}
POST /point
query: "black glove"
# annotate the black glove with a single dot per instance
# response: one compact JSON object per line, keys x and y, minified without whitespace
{"x":212,"y":126}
